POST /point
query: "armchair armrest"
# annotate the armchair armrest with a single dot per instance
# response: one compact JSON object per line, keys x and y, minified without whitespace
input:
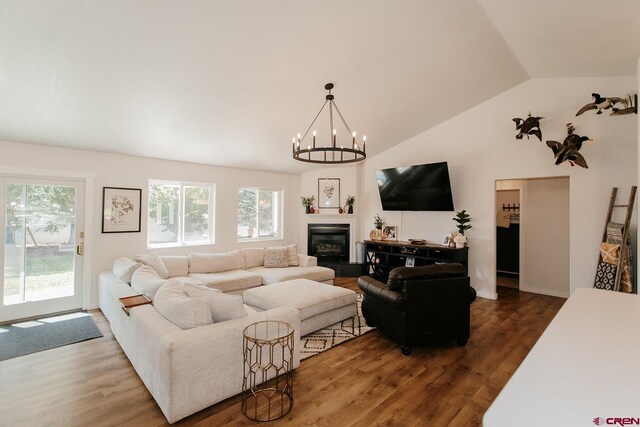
{"x":381,"y":291}
{"x":307,"y":261}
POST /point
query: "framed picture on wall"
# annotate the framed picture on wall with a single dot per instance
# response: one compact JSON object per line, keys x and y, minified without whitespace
{"x":121,"y":210}
{"x":328,"y":193}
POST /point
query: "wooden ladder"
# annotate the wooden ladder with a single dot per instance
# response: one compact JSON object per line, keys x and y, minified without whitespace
{"x":625,"y":231}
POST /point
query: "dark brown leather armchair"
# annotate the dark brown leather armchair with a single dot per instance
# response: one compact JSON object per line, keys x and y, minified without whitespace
{"x":420,"y":305}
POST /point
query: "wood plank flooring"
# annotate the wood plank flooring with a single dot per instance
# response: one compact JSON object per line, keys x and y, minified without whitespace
{"x":363,"y":382}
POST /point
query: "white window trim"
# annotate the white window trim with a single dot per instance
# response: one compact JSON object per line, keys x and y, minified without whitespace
{"x":280,"y":216}
{"x":212,"y":219}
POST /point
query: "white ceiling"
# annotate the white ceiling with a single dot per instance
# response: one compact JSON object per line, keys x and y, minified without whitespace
{"x":230,"y":82}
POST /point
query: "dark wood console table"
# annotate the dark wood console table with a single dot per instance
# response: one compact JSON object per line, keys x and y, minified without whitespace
{"x":382,"y":256}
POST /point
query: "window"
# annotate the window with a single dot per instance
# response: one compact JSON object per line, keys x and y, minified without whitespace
{"x":180,"y":214}
{"x":259,"y":213}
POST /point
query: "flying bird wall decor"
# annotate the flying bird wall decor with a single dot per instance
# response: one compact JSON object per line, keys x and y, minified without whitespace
{"x":600,"y":103}
{"x":528,"y":126}
{"x":630,"y":103}
{"x":567,"y":151}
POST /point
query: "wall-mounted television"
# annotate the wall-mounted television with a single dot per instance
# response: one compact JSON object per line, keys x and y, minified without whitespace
{"x":415,"y":188}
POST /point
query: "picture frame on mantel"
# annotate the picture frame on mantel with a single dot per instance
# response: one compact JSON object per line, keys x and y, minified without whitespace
{"x":328,"y":193}
{"x":121,"y":210}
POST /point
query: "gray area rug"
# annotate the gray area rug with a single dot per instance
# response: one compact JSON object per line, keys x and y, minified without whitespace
{"x":33,"y":336}
{"x":326,"y":338}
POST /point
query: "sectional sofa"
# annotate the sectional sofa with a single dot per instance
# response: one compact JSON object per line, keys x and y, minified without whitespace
{"x":187,"y":370}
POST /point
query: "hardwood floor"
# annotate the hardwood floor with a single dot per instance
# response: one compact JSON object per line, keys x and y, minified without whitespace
{"x":365,"y":381}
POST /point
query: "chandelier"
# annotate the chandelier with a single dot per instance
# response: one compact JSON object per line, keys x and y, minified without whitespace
{"x":331,"y":153}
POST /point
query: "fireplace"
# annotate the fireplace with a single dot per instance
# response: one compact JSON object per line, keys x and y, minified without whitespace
{"x":328,"y":242}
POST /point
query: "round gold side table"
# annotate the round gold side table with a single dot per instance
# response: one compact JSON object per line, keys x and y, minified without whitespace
{"x":267,"y":388}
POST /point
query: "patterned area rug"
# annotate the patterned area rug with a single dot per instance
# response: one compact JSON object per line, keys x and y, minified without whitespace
{"x":326,"y":338}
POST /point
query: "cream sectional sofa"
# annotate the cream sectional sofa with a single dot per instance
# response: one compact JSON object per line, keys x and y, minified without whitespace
{"x":242,"y":269}
{"x":188,"y":370}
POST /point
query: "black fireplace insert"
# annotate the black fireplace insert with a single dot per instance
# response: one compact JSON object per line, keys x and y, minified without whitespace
{"x":328,"y":242}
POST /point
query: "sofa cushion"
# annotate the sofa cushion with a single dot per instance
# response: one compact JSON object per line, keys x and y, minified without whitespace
{"x":275,"y":275}
{"x":311,"y":298}
{"x":223,"y":306}
{"x":276,"y":257}
{"x":179,"y":308}
{"x":177,"y":265}
{"x":253,"y":257}
{"x":433,"y":271}
{"x":146,"y":281}
{"x":154,"y":261}
{"x":124,"y":268}
{"x":293,"y":255}
{"x":215,"y":263}
{"x":228,"y":281}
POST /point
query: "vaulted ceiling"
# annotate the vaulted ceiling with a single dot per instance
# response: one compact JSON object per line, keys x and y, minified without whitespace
{"x":230,"y":82}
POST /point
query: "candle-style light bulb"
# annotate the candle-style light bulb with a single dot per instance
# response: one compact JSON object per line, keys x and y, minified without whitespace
{"x":364,"y":143}
{"x":334,"y":137}
{"x":353,"y":140}
{"x":314,"y":139}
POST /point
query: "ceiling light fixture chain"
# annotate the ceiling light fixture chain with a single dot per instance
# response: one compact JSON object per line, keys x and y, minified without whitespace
{"x":318,"y":154}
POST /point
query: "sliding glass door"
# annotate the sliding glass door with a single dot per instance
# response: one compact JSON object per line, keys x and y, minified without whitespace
{"x":41,"y":267}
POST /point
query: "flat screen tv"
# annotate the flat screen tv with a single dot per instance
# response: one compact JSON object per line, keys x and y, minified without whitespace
{"x":415,"y":188}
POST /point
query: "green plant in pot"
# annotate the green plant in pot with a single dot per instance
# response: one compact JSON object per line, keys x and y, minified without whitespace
{"x":307,"y":202}
{"x":462,"y":220}
{"x":349,"y":204}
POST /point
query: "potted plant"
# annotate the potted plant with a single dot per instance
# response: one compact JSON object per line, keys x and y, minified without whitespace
{"x":349,"y":204}
{"x":307,"y":202}
{"x":378,"y":222}
{"x":376,"y":233}
{"x":462,"y":220}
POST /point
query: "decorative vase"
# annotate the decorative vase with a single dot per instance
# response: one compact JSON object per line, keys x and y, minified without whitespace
{"x":459,"y":245}
{"x":312,"y":210}
{"x":340,"y":210}
{"x":307,"y":209}
{"x":350,"y":209}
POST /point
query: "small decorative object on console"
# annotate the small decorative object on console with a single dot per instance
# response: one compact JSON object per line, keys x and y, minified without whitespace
{"x":460,"y":240}
{"x":417,"y":241}
{"x":462,"y":219}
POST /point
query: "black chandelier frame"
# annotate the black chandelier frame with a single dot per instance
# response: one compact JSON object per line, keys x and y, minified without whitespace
{"x":331,"y":154}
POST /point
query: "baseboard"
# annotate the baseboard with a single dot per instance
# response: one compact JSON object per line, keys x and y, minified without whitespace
{"x":92,"y":307}
{"x":550,"y":292}
{"x":487,"y":295}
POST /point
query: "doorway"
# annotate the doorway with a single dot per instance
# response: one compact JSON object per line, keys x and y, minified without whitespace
{"x":533,"y":235}
{"x":41,"y":266}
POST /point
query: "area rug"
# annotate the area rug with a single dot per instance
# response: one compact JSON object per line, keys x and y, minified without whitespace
{"x":329,"y":337}
{"x":33,"y":336}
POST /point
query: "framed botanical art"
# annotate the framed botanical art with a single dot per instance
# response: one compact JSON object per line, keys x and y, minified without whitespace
{"x":328,"y":193}
{"x":121,"y":210}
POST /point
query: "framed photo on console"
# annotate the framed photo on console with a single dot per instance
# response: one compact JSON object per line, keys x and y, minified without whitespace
{"x":410,"y":262}
{"x":328,"y":193}
{"x":390,"y":232}
{"x":121,"y":212}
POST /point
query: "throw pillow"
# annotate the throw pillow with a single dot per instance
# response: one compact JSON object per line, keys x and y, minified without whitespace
{"x":124,"y":268}
{"x":154,"y":261}
{"x":293,"y":255}
{"x":605,"y":276}
{"x":146,"y":281}
{"x":223,"y":306}
{"x":609,"y":252}
{"x":179,"y":308}
{"x":276,"y":257}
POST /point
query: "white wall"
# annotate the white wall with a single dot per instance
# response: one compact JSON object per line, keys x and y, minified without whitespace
{"x":127,"y":171}
{"x":481,"y":148}
{"x":545,"y":224}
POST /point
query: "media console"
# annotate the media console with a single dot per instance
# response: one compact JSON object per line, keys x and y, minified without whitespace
{"x":382,"y":256}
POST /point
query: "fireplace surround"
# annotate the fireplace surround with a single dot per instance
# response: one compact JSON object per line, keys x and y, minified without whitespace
{"x":328,"y":242}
